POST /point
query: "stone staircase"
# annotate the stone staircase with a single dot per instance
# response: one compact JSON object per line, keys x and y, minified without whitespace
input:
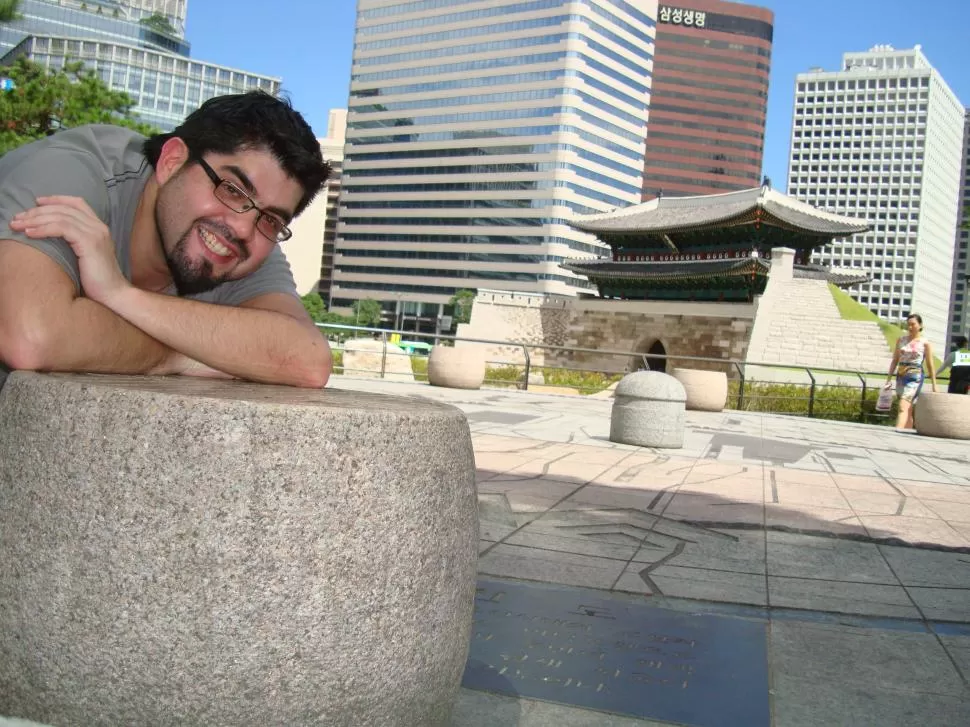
{"x":798,"y":324}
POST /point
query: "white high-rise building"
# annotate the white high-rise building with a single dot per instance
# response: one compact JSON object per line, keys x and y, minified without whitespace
{"x":476,"y":129}
{"x":310,"y":251}
{"x":960,"y":307}
{"x":882,"y":139}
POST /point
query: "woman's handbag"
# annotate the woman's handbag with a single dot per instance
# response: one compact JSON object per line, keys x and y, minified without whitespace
{"x":885,"y":401}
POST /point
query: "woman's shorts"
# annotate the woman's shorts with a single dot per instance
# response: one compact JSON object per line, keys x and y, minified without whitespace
{"x":909,"y":385}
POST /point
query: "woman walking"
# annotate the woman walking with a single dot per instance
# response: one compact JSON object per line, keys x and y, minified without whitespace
{"x":911,"y":354}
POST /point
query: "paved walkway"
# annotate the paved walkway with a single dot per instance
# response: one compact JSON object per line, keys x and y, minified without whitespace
{"x":833,"y":557}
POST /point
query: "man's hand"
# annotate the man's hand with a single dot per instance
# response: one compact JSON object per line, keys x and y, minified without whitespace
{"x":71,"y":219}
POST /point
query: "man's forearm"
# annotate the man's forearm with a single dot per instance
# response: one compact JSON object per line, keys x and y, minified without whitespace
{"x":92,"y":338}
{"x":259,"y":345}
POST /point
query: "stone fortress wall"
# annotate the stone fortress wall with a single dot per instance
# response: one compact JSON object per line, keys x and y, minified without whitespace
{"x":795,"y":323}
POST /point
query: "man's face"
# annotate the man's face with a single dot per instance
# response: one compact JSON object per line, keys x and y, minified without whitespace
{"x":205,"y":242}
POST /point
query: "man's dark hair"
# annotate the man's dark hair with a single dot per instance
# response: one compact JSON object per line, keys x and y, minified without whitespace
{"x":252,"y":120}
{"x":960,"y":341}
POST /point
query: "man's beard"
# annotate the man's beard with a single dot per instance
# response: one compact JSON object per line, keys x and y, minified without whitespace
{"x":190,"y":278}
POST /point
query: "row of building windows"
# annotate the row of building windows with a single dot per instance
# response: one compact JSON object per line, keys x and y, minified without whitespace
{"x":872,"y":108}
{"x":720,"y":142}
{"x":502,"y":10}
{"x":445,"y":273}
{"x":655,"y":181}
{"x":706,"y":42}
{"x":585,"y":247}
{"x":458,"y":17}
{"x":506,"y":221}
{"x":389,"y":287}
{"x":477,"y":257}
{"x":668,"y":123}
{"x":471,"y":204}
{"x":753,"y":101}
{"x":694,"y":70}
{"x":639,"y":51}
{"x":741,"y":174}
{"x":480,"y":169}
{"x":409,"y":7}
{"x":498,"y":115}
{"x":715,"y":156}
{"x":845,"y":121}
{"x":757,"y":118}
{"x":671,"y":49}
{"x":491,"y":133}
{"x":513,"y":96}
{"x":508,"y":78}
{"x":854,"y":84}
{"x":529,"y":150}
{"x":161,"y":62}
{"x":502,"y":186}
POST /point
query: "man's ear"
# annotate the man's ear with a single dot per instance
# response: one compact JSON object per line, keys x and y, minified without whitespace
{"x":172,"y":157}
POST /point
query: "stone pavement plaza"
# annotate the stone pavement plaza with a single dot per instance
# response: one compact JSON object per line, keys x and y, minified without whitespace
{"x":773,"y":571}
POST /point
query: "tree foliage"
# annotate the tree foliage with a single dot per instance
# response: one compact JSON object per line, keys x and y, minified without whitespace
{"x":45,"y":101}
{"x":315,"y":307}
{"x":9,"y":10}
{"x":159,"y":23}
{"x":462,"y":302}
{"x":367,"y":313}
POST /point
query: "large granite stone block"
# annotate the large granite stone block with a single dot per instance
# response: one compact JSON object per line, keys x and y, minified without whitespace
{"x":181,"y":551}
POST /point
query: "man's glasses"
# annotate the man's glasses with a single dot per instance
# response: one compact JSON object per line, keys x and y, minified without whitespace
{"x":269,"y":225}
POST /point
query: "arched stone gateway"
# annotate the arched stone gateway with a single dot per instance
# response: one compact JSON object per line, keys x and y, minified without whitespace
{"x":655,"y":347}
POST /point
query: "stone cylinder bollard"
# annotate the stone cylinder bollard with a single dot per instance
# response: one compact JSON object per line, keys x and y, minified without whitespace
{"x":942,"y":415}
{"x":179,"y":551}
{"x":705,"y":390}
{"x":456,"y":368}
{"x":648,"y":410}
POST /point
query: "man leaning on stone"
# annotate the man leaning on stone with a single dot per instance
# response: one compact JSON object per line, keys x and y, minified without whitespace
{"x":126,"y":255}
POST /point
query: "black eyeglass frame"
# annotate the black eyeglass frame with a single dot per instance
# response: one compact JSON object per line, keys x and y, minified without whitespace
{"x":283,"y":234}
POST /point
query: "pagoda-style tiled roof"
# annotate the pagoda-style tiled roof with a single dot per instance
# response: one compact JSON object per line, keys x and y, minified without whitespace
{"x":842,"y":277}
{"x":669,"y":270}
{"x":674,"y":214}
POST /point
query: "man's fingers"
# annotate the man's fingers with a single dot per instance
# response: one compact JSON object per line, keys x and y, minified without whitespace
{"x":61,"y":199}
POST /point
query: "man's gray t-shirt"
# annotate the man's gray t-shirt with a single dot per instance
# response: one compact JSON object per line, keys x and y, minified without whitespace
{"x":106,"y":167}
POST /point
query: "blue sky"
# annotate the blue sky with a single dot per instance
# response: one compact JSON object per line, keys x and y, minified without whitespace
{"x":309,"y":44}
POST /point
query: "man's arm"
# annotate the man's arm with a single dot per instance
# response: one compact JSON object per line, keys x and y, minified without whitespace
{"x":269,"y":338}
{"x":45,"y":325}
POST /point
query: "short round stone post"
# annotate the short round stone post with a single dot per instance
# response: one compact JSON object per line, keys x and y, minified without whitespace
{"x":942,"y":415}
{"x":178,"y":551}
{"x":706,"y":390}
{"x":648,"y":410}
{"x":456,"y":367}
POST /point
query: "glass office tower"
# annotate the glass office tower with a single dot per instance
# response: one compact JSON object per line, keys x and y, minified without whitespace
{"x":476,"y":129}
{"x":151,"y":64}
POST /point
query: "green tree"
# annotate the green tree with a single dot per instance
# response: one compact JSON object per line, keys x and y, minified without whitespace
{"x":462,"y":302}
{"x":9,"y":10}
{"x":44,"y":101}
{"x":367,"y":313}
{"x":159,"y":23}
{"x":315,"y":307}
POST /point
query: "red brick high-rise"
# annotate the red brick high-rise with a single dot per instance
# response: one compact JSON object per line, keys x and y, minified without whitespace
{"x":706,"y":130}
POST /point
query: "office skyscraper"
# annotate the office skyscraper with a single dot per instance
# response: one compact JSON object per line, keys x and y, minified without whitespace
{"x":150,"y":63}
{"x":709,"y":97}
{"x":960,"y":306}
{"x":475,"y":130}
{"x":882,"y":139}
